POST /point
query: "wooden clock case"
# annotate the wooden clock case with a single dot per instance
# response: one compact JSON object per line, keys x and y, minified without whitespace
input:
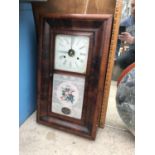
{"x":98,"y":28}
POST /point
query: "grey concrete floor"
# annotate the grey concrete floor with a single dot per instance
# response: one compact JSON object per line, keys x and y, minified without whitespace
{"x":114,"y":139}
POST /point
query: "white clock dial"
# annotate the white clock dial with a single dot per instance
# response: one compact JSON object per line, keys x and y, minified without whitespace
{"x":71,"y":53}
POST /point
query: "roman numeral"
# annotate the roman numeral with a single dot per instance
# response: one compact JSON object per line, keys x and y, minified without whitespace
{"x":82,"y":47}
{"x":83,"y":54}
{"x":76,"y":65}
{"x":64,"y":62}
{"x":62,"y":51}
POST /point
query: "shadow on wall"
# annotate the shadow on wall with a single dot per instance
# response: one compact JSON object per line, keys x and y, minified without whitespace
{"x":27,"y":62}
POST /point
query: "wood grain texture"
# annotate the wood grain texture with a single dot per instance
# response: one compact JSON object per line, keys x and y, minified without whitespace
{"x":77,"y":6}
{"x":73,"y":7}
{"x":101,"y":6}
{"x":114,"y":38}
{"x":98,"y":28}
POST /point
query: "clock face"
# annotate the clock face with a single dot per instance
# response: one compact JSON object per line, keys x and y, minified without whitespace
{"x":71,"y":53}
{"x":68,"y":94}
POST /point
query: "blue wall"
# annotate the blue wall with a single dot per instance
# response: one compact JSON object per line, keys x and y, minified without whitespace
{"x":27,"y":62}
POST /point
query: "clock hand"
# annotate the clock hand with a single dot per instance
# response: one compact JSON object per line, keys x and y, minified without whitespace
{"x":83,"y":54}
{"x":71,"y":51}
{"x":82,"y":47}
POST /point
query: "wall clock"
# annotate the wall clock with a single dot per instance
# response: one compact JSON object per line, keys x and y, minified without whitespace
{"x":73,"y":53}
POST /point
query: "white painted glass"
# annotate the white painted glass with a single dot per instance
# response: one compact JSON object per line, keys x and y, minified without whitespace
{"x":67,"y":95}
{"x":71,"y":53}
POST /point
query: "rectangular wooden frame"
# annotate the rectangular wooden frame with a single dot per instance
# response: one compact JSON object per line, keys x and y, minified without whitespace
{"x":95,"y":75}
{"x":52,"y":71}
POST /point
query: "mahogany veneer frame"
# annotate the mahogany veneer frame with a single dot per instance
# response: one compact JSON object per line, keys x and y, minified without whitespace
{"x":99,"y":29}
